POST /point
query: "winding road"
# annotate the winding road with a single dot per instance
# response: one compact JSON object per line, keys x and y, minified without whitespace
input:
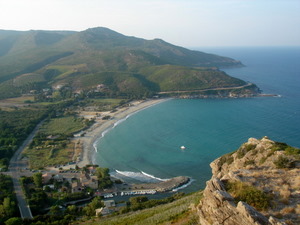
{"x":207,"y":89}
{"x":16,"y":169}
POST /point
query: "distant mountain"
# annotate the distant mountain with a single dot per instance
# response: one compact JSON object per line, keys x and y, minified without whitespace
{"x":100,"y":56}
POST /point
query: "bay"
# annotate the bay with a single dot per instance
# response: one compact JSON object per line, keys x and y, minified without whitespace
{"x":150,"y":140}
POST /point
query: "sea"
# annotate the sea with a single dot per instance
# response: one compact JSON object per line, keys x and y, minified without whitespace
{"x":146,"y":147}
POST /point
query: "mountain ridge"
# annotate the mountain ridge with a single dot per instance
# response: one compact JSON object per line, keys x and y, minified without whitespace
{"x":104,"y":51}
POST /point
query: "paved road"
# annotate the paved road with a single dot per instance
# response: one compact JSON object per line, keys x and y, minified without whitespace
{"x":16,"y":169}
{"x":207,"y":89}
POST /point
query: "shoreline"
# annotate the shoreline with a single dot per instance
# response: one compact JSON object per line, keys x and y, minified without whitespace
{"x":95,"y":132}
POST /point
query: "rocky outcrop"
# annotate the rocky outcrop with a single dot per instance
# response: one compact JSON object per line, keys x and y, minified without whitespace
{"x":218,"y":207}
{"x":269,"y":167}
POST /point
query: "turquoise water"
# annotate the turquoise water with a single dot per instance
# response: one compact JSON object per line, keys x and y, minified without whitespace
{"x":150,"y":140}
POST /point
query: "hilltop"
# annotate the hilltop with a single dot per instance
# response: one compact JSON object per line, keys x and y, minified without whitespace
{"x":107,"y":62}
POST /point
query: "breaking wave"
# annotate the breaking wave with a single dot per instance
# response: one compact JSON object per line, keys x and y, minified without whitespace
{"x":139,"y":176}
{"x":184,"y":186}
{"x":102,"y":135}
{"x":118,"y":123}
{"x":153,"y":177}
{"x":112,"y":127}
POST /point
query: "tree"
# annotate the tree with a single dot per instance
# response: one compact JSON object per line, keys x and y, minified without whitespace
{"x":56,"y":95}
{"x":72,"y":210}
{"x":91,"y":207}
{"x":9,"y":206}
{"x":136,"y":203}
{"x":103,"y":177}
{"x":47,"y":189}
{"x":13,"y":221}
{"x":102,"y":172}
{"x":2,"y":213}
{"x":138,"y":199}
{"x":54,"y":210}
{"x":37,"y":179}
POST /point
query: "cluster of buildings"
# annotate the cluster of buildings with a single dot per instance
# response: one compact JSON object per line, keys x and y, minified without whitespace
{"x":77,"y":181}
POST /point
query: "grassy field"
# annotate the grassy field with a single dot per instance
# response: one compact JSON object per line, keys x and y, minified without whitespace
{"x":66,"y":70}
{"x":54,"y":148}
{"x":19,"y":100}
{"x":104,"y":104}
{"x":48,"y":154}
{"x":28,"y":78}
{"x":177,"y":212}
{"x":63,"y":125}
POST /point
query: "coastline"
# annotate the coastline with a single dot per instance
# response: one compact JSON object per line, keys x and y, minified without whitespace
{"x":96,"y":130}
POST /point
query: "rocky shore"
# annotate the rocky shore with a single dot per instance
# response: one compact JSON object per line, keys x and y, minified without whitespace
{"x":164,"y":186}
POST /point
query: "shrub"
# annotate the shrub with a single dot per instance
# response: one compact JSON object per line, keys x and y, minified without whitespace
{"x":249,"y":194}
{"x":254,"y":152}
{"x":226,"y":159}
{"x":229,"y":160}
{"x":270,"y":153}
{"x":292,"y":151}
{"x":283,"y":162}
{"x":244,"y":149}
{"x":262,"y":160}
{"x":106,"y":117}
{"x":249,"y":162}
{"x":278,"y":146}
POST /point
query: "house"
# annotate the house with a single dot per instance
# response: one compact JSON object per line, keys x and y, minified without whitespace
{"x":46,"y":177}
{"x":93,"y":182}
{"x":92,"y":169}
{"x":109,"y":207}
{"x":89,"y":181}
{"x":53,"y":137}
{"x":57,"y":87}
{"x":77,"y":187}
{"x":51,"y":186}
{"x":58,"y":178}
{"x":103,"y":211}
{"x":109,"y":203}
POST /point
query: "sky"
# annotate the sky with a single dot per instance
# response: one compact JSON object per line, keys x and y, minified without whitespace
{"x":188,"y":23}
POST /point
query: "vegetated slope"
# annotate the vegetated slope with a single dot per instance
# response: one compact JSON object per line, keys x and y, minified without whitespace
{"x":170,"y":78}
{"x":74,"y":58}
{"x":177,"y":212}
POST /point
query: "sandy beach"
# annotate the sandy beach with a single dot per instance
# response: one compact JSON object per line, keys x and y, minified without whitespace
{"x":96,"y":130}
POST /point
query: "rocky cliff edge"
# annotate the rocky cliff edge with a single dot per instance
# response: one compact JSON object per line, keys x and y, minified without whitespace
{"x":257,"y":184}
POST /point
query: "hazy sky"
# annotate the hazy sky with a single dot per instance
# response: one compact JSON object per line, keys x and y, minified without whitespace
{"x":188,"y":23}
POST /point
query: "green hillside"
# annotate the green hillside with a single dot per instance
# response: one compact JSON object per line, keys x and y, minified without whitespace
{"x":31,"y":60}
{"x":180,"y":78}
{"x":177,"y":212}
